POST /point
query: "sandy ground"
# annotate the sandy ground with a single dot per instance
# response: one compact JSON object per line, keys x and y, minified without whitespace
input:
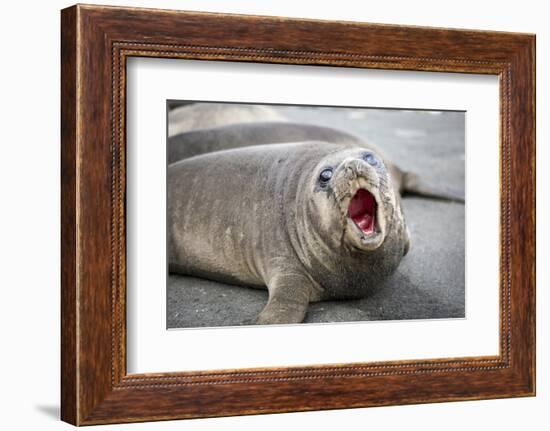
{"x":429,"y":282}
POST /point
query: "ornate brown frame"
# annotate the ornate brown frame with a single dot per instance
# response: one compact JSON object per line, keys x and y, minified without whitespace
{"x":95,"y":43}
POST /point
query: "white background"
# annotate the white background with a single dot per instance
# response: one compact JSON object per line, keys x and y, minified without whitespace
{"x":29,"y":227}
{"x":153,"y":349}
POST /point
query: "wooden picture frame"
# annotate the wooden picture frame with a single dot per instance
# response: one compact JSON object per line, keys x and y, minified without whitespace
{"x":95,"y":43}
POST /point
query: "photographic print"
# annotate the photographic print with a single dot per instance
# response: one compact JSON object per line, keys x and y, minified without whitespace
{"x":290,"y":214}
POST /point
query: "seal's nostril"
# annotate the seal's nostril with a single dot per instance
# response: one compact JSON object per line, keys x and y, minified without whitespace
{"x":350,"y":173}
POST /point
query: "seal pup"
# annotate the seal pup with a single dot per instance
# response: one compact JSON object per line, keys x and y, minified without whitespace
{"x":196,"y":116}
{"x":310,"y":221}
{"x":197,"y":142}
{"x":184,"y":145}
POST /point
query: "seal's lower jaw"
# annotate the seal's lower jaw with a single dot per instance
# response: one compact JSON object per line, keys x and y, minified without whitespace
{"x":363,"y":215}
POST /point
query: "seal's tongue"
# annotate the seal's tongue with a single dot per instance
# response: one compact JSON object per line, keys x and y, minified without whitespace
{"x":362,"y":210}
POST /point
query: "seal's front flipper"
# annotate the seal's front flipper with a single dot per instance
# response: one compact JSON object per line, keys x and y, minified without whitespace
{"x":413,"y":184}
{"x":289,"y":295}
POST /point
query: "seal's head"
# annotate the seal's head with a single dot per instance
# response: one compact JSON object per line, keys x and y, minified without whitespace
{"x":355,"y":202}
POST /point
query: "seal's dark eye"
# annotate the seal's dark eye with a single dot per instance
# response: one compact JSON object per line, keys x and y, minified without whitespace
{"x":326,"y":175}
{"x":370,"y":159}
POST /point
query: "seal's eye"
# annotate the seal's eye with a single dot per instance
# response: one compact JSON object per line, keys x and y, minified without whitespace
{"x":326,"y":175}
{"x":370,"y":159}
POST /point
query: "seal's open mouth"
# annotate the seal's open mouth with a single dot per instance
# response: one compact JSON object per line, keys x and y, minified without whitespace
{"x":362,"y":210}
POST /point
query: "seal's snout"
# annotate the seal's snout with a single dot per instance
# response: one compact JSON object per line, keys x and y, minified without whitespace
{"x":357,"y":187}
{"x":354,"y":169}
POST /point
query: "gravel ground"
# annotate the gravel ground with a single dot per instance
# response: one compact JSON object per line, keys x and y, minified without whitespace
{"x":429,"y":282}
